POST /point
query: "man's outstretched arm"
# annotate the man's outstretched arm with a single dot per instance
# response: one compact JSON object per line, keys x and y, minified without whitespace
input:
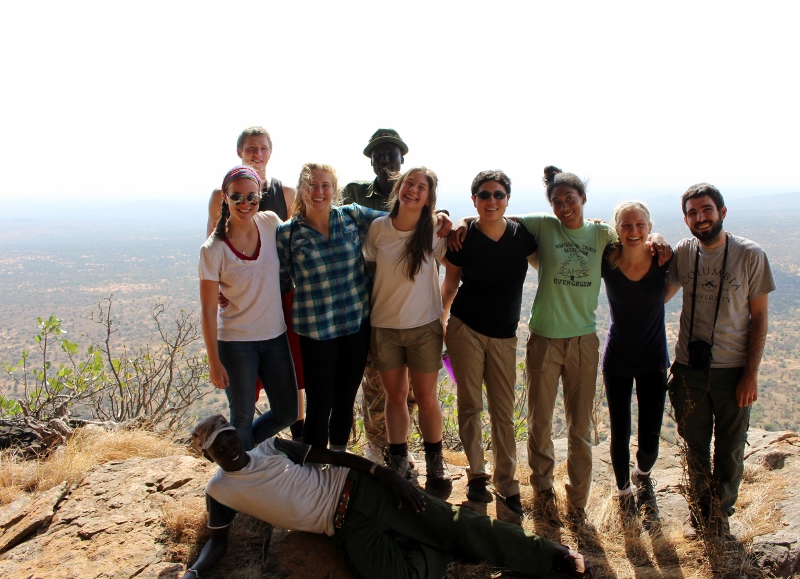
{"x":402,"y":488}
{"x":212,"y":552}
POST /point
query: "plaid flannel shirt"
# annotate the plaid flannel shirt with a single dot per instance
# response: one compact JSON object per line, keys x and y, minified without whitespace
{"x":332,"y":286}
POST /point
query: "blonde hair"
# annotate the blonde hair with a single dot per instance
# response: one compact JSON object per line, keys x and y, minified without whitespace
{"x":299,"y":206}
{"x":615,"y":252}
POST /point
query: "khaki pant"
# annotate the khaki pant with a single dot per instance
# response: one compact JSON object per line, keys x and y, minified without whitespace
{"x":477,"y":358}
{"x":373,"y":401}
{"x":574,"y":360}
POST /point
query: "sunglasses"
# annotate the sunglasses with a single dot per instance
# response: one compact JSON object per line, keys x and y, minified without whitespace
{"x":484,"y":195}
{"x":238,"y":198}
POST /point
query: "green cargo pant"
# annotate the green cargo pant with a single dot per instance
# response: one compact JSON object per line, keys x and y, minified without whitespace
{"x":705,"y":404}
{"x":385,"y":542}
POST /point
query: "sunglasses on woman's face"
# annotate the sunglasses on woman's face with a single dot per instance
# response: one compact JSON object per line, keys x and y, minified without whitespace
{"x":484,"y":195}
{"x":238,"y":198}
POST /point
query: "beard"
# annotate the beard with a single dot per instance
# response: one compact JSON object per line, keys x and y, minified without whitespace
{"x":708,"y":235}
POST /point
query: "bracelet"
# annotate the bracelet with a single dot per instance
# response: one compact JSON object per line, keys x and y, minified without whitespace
{"x":196,"y":574}
{"x":372,"y":470}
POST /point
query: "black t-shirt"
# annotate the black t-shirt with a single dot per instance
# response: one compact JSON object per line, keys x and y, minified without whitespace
{"x":492,"y":274}
{"x":636,"y":342}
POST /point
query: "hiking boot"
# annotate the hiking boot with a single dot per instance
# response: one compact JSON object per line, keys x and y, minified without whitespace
{"x":578,"y":521}
{"x":546,"y":509}
{"x":514,"y":504}
{"x":403,"y":466}
{"x":476,"y":490}
{"x":374,"y":452}
{"x":436,"y":469}
{"x":627,"y":510}
{"x":646,"y":499}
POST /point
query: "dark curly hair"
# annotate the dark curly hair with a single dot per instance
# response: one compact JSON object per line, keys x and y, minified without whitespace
{"x":554,"y":177}
{"x":493,"y":175}
{"x":700,"y":190}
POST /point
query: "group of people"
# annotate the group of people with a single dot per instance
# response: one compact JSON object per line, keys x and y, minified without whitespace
{"x":361,"y":304}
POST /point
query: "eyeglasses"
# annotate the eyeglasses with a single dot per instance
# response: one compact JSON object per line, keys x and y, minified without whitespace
{"x":484,"y":195}
{"x":238,"y":198}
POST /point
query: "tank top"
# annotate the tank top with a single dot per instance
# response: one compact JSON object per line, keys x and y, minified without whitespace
{"x":272,"y":200}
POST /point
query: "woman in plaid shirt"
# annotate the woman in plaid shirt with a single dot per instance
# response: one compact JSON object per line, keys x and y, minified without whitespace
{"x":320,"y":247}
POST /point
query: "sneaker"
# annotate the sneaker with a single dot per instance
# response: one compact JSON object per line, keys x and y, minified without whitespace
{"x":476,"y":490}
{"x":578,"y":521}
{"x":514,"y":504}
{"x":436,"y":469}
{"x":546,"y":509}
{"x":375,"y":453}
{"x":627,"y":510}
{"x":646,"y":498}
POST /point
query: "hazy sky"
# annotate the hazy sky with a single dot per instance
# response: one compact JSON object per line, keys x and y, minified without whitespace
{"x":145,"y":99}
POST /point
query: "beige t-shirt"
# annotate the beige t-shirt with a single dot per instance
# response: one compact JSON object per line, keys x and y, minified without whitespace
{"x":397,"y":302}
{"x":252,"y":286}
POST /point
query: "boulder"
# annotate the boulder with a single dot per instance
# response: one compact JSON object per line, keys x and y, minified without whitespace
{"x":109,"y":526}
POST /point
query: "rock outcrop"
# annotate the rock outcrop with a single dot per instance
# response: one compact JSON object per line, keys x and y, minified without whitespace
{"x":112,"y":523}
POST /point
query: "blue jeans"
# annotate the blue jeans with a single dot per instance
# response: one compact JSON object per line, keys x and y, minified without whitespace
{"x":270,"y":360}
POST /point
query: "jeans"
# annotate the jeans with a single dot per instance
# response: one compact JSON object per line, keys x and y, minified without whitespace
{"x":651,"y":394}
{"x":271,"y":361}
{"x":333,"y":370}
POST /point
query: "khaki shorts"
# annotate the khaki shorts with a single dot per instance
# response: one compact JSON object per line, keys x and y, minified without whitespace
{"x":419,"y":348}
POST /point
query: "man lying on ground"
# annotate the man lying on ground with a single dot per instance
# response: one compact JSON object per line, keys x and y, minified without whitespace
{"x":388,"y":527}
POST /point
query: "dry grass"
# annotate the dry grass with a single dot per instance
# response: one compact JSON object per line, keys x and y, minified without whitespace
{"x":620,"y":553}
{"x":70,"y":463}
{"x":185,"y":525}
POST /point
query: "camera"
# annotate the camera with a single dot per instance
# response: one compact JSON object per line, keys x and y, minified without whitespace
{"x":699,"y":355}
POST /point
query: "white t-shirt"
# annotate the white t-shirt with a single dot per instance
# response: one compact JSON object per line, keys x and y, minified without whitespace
{"x":252,"y":285}
{"x":276,"y":489}
{"x":398,"y":302}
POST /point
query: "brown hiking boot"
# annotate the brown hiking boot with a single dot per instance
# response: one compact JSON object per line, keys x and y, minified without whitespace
{"x":476,"y":490}
{"x":546,"y":509}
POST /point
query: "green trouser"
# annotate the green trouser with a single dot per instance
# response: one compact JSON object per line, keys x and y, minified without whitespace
{"x":385,"y":542}
{"x":705,"y":404}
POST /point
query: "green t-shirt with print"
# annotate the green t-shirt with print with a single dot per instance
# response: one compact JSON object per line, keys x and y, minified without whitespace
{"x":569,"y":275}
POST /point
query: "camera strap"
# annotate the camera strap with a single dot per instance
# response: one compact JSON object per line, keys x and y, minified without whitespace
{"x":719,"y":295}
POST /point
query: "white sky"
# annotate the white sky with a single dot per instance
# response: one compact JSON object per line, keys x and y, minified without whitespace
{"x":141,"y":99}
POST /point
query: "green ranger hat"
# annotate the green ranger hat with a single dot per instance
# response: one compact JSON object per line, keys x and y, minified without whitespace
{"x":385,"y":136}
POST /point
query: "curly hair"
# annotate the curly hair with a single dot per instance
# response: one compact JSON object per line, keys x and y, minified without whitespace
{"x":555,"y":177}
{"x":700,"y":190}
{"x":493,"y":175}
{"x":299,"y":206}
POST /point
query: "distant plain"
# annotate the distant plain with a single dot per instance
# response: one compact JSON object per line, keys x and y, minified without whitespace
{"x":64,"y":260}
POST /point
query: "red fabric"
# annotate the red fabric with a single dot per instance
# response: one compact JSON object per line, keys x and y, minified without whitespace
{"x":294,"y":343}
{"x":294,"y":339}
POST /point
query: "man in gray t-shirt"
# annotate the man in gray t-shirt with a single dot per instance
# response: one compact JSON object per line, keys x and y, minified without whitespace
{"x":726,"y":281}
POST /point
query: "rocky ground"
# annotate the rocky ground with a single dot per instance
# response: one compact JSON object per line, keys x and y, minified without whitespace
{"x":115,"y":523}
